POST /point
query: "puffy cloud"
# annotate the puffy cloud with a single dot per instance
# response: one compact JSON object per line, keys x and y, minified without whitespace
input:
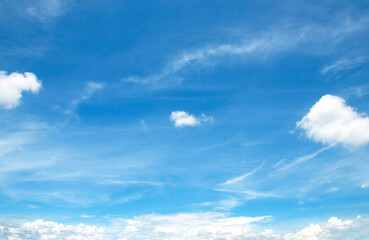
{"x":12,"y":85}
{"x":181,"y":226}
{"x":331,"y":121}
{"x":40,"y":230}
{"x":181,"y":119}
{"x":209,"y":225}
{"x":334,"y":229}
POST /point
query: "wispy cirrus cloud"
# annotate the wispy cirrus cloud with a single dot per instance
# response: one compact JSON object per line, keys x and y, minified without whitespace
{"x":240,"y":178}
{"x":345,"y":64}
{"x":86,"y":93}
{"x":263,"y":44}
{"x":44,"y":10}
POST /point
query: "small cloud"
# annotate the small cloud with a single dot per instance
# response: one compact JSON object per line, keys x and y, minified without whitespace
{"x":91,"y":88}
{"x":143,"y":124}
{"x":32,"y":206}
{"x":331,"y":121}
{"x":365,"y":185}
{"x":46,"y":9}
{"x":182,"y":118}
{"x":86,"y":93}
{"x":86,"y":216}
{"x":240,"y":178}
{"x":13,"y":85}
{"x":332,"y":189}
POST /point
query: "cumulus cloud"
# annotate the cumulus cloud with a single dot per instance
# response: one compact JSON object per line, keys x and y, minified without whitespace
{"x":181,"y":226}
{"x":331,"y":121}
{"x":41,"y":229}
{"x":13,"y":85}
{"x":210,"y":225}
{"x":181,"y":119}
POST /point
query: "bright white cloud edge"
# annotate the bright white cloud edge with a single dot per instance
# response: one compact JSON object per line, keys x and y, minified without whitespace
{"x":208,"y":225}
{"x":14,"y":84}
{"x":331,"y":121}
{"x":182,"y":118}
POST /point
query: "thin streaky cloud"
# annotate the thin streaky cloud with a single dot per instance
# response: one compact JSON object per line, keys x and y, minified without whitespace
{"x":345,"y":64}
{"x":303,"y":159}
{"x":130,"y":183}
{"x":88,"y":91}
{"x":86,"y":216}
{"x":214,"y":146}
{"x":143,"y":124}
{"x":240,"y":178}
{"x":249,"y":194}
{"x":279,"y":40}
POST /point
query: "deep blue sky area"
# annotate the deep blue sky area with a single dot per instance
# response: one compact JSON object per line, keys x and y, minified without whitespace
{"x":184,"y":119}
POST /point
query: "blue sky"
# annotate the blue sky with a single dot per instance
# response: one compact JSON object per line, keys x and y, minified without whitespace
{"x":157,"y":119}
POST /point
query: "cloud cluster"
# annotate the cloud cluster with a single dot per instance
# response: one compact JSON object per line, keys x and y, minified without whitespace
{"x":181,"y":119}
{"x":40,"y":229}
{"x":331,"y":121}
{"x":13,"y":85}
{"x":181,"y":226}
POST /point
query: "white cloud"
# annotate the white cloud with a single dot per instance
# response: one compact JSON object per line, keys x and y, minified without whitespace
{"x":13,"y":85}
{"x":46,"y":9}
{"x":86,"y":216}
{"x":91,"y":88}
{"x":209,"y":225}
{"x":88,"y":91}
{"x":239,"y":178}
{"x":181,"y":226}
{"x":331,"y":121}
{"x":42,"y":230}
{"x":32,"y":206}
{"x":181,"y":119}
{"x":281,"y":39}
{"x":335,"y":228}
{"x":302,"y":159}
{"x":345,"y":64}
{"x":213,"y":225}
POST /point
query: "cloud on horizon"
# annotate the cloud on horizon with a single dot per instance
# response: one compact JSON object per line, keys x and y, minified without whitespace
{"x":196,"y":226}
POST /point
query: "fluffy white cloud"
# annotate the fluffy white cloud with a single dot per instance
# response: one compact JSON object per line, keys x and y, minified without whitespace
{"x":181,"y":119}
{"x":334,"y":229}
{"x":12,"y":85}
{"x":43,"y":230}
{"x":183,"y":226}
{"x":331,"y":121}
